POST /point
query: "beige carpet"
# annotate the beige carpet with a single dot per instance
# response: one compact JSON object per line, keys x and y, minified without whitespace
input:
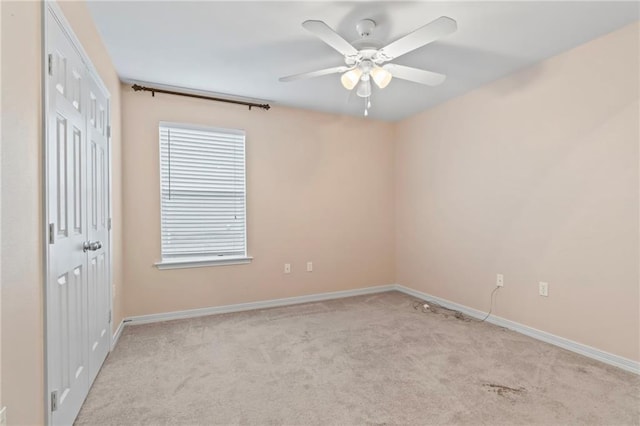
{"x":361,"y":360}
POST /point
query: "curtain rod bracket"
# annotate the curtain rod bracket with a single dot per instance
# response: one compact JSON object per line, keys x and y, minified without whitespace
{"x":153,"y":90}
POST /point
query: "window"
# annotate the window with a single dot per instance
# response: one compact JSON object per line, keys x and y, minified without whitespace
{"x":202,"y":192}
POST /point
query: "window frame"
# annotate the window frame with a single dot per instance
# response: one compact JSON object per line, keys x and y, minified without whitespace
{"x":196,"y":261}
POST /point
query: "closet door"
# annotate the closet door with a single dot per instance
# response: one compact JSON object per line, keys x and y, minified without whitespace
{"x":78,"y":298}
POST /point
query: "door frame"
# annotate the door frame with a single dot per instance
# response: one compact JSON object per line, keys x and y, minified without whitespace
{"x":50,"y":7}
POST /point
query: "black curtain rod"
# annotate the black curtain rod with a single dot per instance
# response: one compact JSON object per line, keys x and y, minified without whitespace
{"x":153,"y":91}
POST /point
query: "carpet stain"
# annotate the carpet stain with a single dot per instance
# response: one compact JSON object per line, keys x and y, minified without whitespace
{"x":504,"y":390}
{"x":461,"y":316}
{"x":440,"y":310}
{"x":181,"y":385}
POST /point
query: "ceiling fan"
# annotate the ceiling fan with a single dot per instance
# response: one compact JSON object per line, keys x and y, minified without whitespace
{"x":366,"y":60}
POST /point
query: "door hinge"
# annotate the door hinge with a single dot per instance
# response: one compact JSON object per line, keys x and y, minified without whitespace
{"x":109,"y":224}
{"x":109,"y":317}
{"x":108,"y":131}
{"x":54,"y":400}
{"x":52,"y":233}
{"x":50,"y":63}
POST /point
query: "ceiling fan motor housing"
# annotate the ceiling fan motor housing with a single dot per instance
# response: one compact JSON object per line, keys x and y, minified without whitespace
{"x":365,"y":27}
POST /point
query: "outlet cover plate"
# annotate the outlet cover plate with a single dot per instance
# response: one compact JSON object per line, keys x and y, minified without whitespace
{"x":543,"y":289}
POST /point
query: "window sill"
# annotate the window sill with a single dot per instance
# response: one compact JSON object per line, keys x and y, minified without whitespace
{"x":202,"y":262}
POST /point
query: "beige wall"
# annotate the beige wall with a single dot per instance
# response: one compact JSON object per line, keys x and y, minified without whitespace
{"x":22,"y":342}
{"x":319,"y":188}
{"x":534,"y":176}
{"x":22,"y":222}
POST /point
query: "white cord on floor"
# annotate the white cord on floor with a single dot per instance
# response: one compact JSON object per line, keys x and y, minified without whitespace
{"x":425,"y":307}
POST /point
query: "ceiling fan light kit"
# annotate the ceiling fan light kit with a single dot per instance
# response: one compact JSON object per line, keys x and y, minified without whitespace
{"x":366,"y":61}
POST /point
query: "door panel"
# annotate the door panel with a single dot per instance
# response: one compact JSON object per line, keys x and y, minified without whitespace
{"x":72,"y":374}
{"x":77,"y":289}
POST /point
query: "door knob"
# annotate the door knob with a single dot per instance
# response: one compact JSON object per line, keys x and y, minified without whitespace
{"x":91,"y":245}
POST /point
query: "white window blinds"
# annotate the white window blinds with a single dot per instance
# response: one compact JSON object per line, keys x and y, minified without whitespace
{"x":202,"y":173}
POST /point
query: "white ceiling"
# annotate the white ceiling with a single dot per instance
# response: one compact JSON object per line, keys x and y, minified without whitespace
{"x":242,"y":48}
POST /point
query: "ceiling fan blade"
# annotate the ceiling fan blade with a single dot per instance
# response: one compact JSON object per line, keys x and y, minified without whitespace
{"x":333,"y":39}
{"x":416,"y":75}
{"x":311,"y":74}
{"x":424,"y":35}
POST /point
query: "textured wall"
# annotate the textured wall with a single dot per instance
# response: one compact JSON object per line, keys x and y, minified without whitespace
{"x":319,"y":188}
{"x":534,"y":176}
{"x":22,"y":332}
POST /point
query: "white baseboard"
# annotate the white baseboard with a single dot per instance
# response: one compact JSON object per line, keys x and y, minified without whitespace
{"x":192,"y":313}
{"x":117,"y":334}
{"x":588,"y":351}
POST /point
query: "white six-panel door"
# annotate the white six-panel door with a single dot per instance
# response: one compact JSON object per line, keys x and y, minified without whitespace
{"x":77,"y":287}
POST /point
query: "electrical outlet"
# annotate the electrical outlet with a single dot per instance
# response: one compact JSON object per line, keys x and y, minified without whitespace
{"x":309,"y":266}
{"x":500,"y":280}
{"x":3,"y":416}
{"x":543,"y":289}
{"x":287,"y":268}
